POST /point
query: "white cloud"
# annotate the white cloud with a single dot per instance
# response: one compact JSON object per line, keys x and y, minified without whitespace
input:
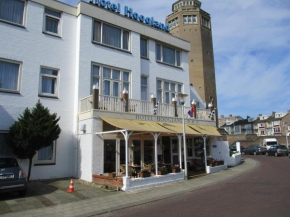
{"x":252,"y":51}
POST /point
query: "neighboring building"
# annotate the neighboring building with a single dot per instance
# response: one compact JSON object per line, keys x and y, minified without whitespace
{"x":56,"y":53}
{"x":228,"y":120}
{"x":272,"y":125}
{"x":243,"y":126}
{"x":190,"y":22}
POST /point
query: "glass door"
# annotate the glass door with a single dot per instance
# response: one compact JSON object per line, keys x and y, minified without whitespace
{"x":109,"y":156}
{"x":175,"y":150}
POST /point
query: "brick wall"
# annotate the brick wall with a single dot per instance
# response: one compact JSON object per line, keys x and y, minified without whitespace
{"x":109,"y":181}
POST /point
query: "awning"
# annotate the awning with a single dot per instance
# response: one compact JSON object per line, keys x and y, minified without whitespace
{"x":205,"y":130}
{"x":178,"y":129}
{"x":137,"y":126}
{"x":161,"y":127}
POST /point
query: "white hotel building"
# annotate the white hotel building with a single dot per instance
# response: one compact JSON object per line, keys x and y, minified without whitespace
{"x":55,"y":53}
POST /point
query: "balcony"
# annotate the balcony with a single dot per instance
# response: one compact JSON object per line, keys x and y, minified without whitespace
{"x":114,"y":104}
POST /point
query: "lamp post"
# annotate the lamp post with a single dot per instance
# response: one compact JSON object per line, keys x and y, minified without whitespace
{"x":204,"y":151}
{"x":182,"y":96}
{"x":286,"y":132}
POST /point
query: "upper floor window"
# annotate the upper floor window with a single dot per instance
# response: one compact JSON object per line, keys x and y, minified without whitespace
{"x":173,"y":23}
{"x":12,"y":11}
{"x":144,"y":88}
{"x":111,"y":81}
{"x":166,"y":90}
{"x":111,"y":36}
{"x":205,"y":22}
{"x":168,"y":55}
{"x":144,"y":47}
{"x":48,"y":82}
{"x":9,"y":76}
{"x":189,"y":19}
{"x":52,"y":21}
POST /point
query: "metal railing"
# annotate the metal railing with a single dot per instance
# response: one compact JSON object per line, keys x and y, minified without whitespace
{"x":114,"y":104}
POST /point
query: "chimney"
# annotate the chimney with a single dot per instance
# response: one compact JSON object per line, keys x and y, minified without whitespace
{"x":222,"y":117}
{"x":288,"y":111}
{"x":260,"y":115}
{"x":273,"y":114}
{"x":230,"y":115}
{"x":248,"y":117}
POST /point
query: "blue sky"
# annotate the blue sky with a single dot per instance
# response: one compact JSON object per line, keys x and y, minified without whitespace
{"x":251,"y":48}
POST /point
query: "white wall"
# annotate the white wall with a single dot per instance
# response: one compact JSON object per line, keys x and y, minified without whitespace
{"x":90,"y":52}
{"x":221,"y":151}
{"x":30,"y":46}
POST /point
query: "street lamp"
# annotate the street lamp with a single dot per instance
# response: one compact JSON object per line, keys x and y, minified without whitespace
{"x":182,"y":96}
{"x":286,"y":132}
{"x":204,"y":150}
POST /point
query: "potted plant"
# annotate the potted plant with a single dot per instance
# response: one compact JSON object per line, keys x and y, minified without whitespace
{"x":144,"y":172}
{"x":210,"y":163}
{"x":216,"y":162}
{"x":222,"y":162}
{"x":175,"y":168}
{"x":162,"y":170}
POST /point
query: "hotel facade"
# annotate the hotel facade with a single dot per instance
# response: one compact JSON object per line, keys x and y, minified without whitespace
{"x":112,"y":76}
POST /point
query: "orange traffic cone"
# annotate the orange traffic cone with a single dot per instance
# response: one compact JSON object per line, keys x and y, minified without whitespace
{"x":71,"y":187}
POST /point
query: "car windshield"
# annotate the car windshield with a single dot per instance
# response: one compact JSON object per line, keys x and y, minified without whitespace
{"x":259,"y":146}
{"x":282,"y":147}
{"x":271,"y":143}
{"x":8,"y":162}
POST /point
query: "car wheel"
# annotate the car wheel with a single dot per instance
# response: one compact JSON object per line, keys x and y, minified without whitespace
{"x":255,"y":153}
{"x":276,"y":154}
{"x":22,"y":193}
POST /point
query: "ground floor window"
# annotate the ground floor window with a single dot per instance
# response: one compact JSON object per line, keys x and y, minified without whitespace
{"x":199,"y":145}
{"x":4,"y":149}
{"x":137,"y":152}
{"x":46,"y":155}
{"x":148,"y":152}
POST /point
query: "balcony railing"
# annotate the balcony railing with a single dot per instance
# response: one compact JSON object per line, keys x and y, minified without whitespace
{"x":114,"y":104}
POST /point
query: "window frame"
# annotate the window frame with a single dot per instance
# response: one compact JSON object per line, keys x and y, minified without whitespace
{"x":101,"y":78}
{"x":56,"y":90}
{"x":107,"y":45}
{"x":144,"y":76}
{"x":45,"y":15}
{"x":187,"y":16}
{"x":163,"y":91}
{"x":175,"y":56}
{"x":46,"y":162}
{"x":19,"y":76}
{"x":147,"y":44}
{"x":205,"y":22}
{"x":23,"y":18}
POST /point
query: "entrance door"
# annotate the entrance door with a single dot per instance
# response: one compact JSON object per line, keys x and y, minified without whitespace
{"x":109,"y":156}
{"x":175,"y":150}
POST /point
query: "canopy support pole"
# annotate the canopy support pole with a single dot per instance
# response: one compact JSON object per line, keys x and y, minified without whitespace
{"x":156,"y":135}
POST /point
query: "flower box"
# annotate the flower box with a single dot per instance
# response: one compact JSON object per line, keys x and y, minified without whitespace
{"x":112,"y":175}
{"x":161,"y":173}
{"x":144,"y":175}
{"x":177,"y":170}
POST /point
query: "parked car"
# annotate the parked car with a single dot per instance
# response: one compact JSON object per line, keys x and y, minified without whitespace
{"x":12,"y":177}
{"x":234,"y":148}
{"x":255,"y":150}
{"x":277,"y":150}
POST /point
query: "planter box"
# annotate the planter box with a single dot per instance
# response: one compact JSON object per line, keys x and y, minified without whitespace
{"x":160,"y":173}
{"x":112,"y":175}
{"x":144,"y":175}
{"x":176,"y":170}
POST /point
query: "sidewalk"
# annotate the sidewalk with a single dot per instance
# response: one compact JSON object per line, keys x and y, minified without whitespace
{"x":101,"y":205}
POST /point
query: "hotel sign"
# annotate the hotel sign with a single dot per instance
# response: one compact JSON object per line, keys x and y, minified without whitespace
{"x":163,"y":119}
{"x":128,"y":12}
